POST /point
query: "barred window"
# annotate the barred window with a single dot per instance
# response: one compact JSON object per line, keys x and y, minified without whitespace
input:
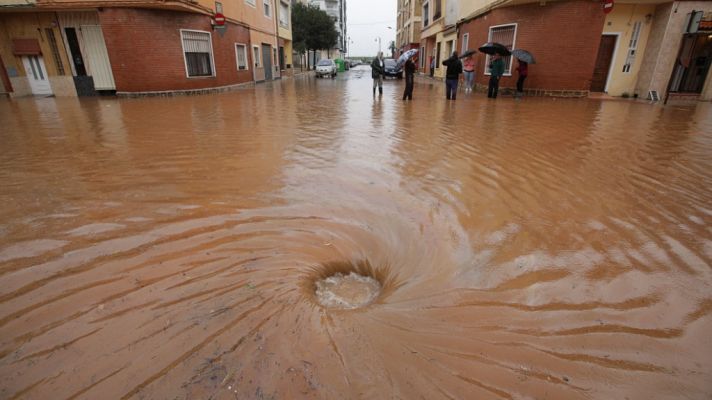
{"x":198,"y":52}
{"x":506,"y":36}
{"x":55,"y":51}
{"x":241,"y":56}
{"x":632,"y":47}
{"x":256,"y":56}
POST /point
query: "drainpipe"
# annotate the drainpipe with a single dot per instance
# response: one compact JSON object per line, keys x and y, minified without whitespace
{"x":276,"y":36}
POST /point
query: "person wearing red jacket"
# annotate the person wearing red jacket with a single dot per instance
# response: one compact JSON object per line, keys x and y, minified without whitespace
{"x":523,"y":71}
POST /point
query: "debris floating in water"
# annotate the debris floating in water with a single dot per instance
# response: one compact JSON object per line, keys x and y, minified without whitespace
{"x":347,"y":291}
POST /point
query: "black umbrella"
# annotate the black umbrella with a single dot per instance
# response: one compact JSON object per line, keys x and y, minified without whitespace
{"x":468,"y":53}
{"x":494,"y":48}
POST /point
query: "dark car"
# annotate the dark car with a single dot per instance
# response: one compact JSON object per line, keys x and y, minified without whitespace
{"x":392,"y":68}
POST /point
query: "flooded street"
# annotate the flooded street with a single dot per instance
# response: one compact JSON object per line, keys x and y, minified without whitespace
{"x":181,"y":248}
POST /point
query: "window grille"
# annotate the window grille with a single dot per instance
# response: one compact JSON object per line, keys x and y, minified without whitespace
{"x":632,"y":47}
{"x":198,"y":53}
{"x":241,"y":56}
{"x":55,"y":51}
{"x":504,"y":35}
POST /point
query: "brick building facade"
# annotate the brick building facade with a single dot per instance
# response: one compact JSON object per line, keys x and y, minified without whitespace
{"x":141,"y":65}
{"x":564,"y":36}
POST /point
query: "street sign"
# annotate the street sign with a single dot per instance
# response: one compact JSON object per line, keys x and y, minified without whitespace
{"x":219,"y":19}
{"x":607,"y":6}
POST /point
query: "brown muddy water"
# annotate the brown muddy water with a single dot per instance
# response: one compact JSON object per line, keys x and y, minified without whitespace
{"x":183,"y":248}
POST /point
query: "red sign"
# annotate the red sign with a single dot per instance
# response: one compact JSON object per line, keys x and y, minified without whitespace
{"x":607,"y":6}
{"x":219,"y":19}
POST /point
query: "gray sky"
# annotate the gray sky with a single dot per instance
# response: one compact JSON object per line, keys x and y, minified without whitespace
{"x":366,"y":20}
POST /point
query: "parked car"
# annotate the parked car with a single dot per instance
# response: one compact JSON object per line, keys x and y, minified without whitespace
{"x":325,"y":67}
{"x":392,"y":68}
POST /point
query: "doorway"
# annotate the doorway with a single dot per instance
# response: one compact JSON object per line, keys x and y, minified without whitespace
{"x":604,"y":60}
{"x":267,"y":60}
{"x":692,"y":64}
{"x":98,"y":57}
{"x":37,"y":74}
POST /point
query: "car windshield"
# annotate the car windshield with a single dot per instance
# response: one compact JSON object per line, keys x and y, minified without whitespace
{"x":390,"y":63}
{"x":324,"y":63}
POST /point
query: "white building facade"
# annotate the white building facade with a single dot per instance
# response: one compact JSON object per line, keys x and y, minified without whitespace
{"x":337,"y":11}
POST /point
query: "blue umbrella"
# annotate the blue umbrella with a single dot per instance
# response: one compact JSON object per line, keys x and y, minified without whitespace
{"x":523,"y":55}
{"x":405,"y":56}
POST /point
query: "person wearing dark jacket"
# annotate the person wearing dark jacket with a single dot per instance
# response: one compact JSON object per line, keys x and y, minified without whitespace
{"x":378,"y":71}
{"x":452,"y":74}
{"x":409,"y":79}
{"x":496,"y":71}
{"x":523,"y":70}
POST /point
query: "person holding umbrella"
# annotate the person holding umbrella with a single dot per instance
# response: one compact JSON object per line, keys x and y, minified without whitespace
{"x":496,"y":71}
{"x":409,"y":78}
{"x":523,"y":71}
{"x":378,"y":71}
{"x":525,"y":58}
{"x":452,"y":74}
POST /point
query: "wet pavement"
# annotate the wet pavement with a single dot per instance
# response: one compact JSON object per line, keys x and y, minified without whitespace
{"x":170,"y":248}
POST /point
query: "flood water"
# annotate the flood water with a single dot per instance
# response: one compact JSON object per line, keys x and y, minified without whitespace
{"x":170,"y":248}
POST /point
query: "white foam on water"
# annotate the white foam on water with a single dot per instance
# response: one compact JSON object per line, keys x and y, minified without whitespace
{"x":347,"y":291}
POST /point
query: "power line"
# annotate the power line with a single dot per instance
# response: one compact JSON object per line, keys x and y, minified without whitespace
{"x":373,"y":23}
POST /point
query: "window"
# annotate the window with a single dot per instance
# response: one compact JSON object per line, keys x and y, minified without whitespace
{"x":505,"y":35}
{"x":284,"y":14}
{"x":55,"y":51}
{"x":218,"y":7}
{"x":632,"y":47}
{"x":256,"y":56}
{"x":250,"y":2}
{"x":437,"y":12}
{"x":426,"y":14}
{"x":449,"y":48}
{"x":265,"y":4}
{"x":198,"y":52}
{"x":465,"y":43}
{"x":241,"y":56}
{"x":437,"y":56}
{"x":422,"y":57}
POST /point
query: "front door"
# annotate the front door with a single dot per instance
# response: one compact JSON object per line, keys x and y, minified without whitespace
{"x":603,"y":63}
{"x":267,"y":60}
{"x":37,"y":74}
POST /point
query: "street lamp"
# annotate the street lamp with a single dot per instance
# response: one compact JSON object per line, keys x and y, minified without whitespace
{"x":379,"y":40}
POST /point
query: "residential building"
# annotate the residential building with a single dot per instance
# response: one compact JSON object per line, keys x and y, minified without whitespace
{"x":408,"y":25}
{"x":65,"y":48}
{"x":284,"y":30}
{"x":438,"y":37}
{"x":336,"y":9}
{"x":640,"y":48}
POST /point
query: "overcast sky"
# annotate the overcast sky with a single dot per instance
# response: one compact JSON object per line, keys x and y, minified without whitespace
{"x":366,"y":20}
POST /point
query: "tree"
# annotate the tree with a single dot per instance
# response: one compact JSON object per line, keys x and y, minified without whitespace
{"x":392,"y":48}
{"x":312,"y":29}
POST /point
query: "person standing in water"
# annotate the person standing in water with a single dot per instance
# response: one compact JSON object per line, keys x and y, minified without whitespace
{"x":378,"y":70}
{"x":452,"y":74}
{"x":523,"y":71}
{"x":496,"y":71}
{"x":409,"y":78}
{"x":469,"y":71}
